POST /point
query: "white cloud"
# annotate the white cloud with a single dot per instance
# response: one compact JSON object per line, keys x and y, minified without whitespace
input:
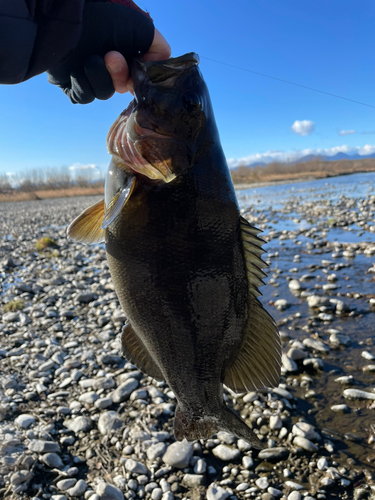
{"x":86,"y":169}
{"x":286,"y":156}
{"x":304,"y":127}
{"x":347,"y":132}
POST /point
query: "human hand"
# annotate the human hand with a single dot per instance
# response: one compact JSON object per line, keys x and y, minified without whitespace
{"x":118,"y":67}
{"x":122,"y":32}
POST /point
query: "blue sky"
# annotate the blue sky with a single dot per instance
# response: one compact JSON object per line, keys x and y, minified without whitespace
{"x":324,"y":45}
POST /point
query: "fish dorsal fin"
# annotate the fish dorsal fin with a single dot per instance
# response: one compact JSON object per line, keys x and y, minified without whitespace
{"x":115,"y":206}
{"x":87,"y":227}
{"x":135,"y":351}
{"x":259,"y":359}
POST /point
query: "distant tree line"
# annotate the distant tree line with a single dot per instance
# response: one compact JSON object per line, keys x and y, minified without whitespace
{"x":39,"y":179}
{"x":284,"y":171}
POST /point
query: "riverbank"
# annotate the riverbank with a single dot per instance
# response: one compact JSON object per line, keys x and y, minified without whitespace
{"x":78,"y":421}
{"x":269,"y":181}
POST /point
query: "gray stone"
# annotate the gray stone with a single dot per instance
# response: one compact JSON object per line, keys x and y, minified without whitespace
{"x":79,"y":424}
{"x":215,"y":492}
{"x":357,"y":394}
{"x":178,"y":454}
{"x":135,"y":467}
{"x":53,"y":460}
{"x":103,"y":403}
{"x":20,"y":477}
{"x":193,"y":480}
{"x":262,"y":483}
{"x":124,"y":390}
{"x":24,"y":420}
{"x":341,"y":409}
{"x":109,"y":492}
{"x":66,"y":484}
{"x":88,"y":398}
{"x":275,"y":422}
{"x":296,"y":354}
{"x":316,"y":345}
{"x":305,"y":444}
{"x":226,"y":453}
{"x":109,"y":421}
{"x":78,"y":489}
{"x":305,"y":430}
{"x":277,"y":453}
{"x":288,"y":364}
{"x":156,"y":450}
{"x":40,"y":446}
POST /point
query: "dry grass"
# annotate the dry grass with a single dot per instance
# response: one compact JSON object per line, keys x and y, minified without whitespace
{"x":52,"y":193}
{"x":316,"y":169}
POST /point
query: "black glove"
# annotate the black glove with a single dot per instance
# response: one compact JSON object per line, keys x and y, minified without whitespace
{"x":82,"y":74}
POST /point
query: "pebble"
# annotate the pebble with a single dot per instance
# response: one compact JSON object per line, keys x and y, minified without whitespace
{"x":357,"y":394}
{"x":66,"y":484}
{"x":215,"y":492}
{"x":52,"y":460}
{"x":40,"y":446}
{"x":277,"y":453}
{"x":156,"y":450}
{"x":24,"y":420}
{"x":78,"y":489}
{"x":193,"y":480}
{"x":262,"y":483}
{"x":341,"y":408}
{"x":178,"y":454}
{"x":306,"y":444}
{"x":123,"y":391}
{"x":135,"y":467}
{"x":79,"y":424}
{"x":109,"y":421}
{"x":108,"y":492}
{"x":226,"y":453}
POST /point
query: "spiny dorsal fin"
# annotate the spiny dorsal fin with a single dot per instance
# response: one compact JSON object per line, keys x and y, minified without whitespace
{"x":135,"y":351}
{"x":259,"y":360}
{"x":115,"y":206}
{"x":87,"y":227}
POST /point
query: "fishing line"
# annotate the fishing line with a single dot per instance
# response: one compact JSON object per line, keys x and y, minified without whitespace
{"x":290,"y":83}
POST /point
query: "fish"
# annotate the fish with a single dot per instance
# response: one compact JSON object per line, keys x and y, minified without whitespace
{"x":186,"y":266}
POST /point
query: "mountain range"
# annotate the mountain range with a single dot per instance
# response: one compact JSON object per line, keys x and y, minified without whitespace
{"x":337,"y":156}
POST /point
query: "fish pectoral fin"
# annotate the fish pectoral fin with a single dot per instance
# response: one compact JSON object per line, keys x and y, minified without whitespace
{"x":118,"y":202}
{"x":135,"y":351}
{"x":87,"y":227}
{"x":258,"y":363}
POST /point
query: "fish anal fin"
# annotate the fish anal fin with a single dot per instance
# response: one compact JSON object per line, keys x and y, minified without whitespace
{"x":135,"y":351}
{"x":87,"y":227}
{"x":258,"y":363}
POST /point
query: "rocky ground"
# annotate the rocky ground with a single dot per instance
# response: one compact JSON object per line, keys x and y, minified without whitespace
{"x":77,"y":421}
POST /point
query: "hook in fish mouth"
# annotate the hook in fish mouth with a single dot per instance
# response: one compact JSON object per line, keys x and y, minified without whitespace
{"x":122,"y":141}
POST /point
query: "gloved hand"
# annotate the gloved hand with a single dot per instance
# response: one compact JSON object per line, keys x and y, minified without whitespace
{"x":107,"y":26}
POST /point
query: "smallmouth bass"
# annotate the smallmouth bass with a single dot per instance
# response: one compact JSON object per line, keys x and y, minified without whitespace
{"x":185,"y":265}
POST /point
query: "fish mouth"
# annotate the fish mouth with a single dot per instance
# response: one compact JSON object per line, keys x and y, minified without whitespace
{"x":163,"y":73}
{"x":123,"y":142}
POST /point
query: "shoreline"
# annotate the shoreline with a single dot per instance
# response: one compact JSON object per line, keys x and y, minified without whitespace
{"x":72,"y":192}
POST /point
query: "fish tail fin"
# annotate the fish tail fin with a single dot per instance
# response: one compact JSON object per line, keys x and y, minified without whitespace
{"x":232,"y":423}
{"x":190,"y":427}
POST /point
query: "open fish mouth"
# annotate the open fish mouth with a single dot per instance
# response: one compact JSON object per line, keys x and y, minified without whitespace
{"x":123,"y":138}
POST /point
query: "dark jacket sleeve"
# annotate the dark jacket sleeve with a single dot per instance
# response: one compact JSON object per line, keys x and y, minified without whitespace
{"x":35,"y":35}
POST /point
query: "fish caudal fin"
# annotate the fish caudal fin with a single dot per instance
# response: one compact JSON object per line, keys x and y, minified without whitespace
{"x":190,"y":427}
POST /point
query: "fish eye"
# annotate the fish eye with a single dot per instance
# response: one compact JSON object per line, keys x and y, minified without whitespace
{"x":192,"y":101}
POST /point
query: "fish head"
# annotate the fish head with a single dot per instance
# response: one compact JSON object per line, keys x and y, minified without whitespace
{"x":158,"y":136}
